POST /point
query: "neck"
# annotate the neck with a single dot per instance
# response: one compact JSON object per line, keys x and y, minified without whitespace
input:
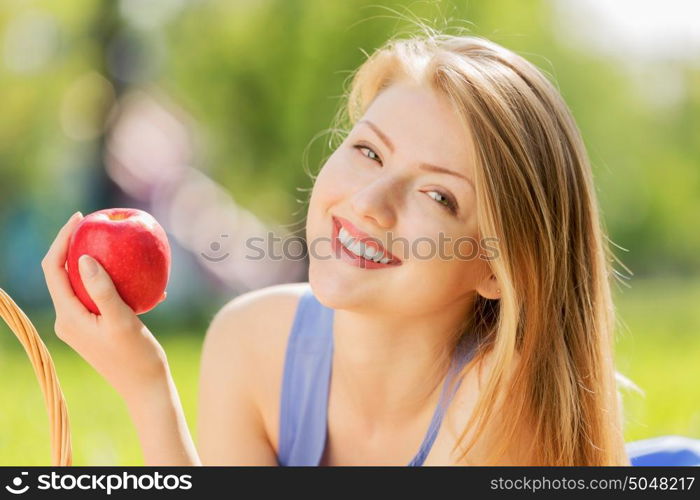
{"x":390,"y":368}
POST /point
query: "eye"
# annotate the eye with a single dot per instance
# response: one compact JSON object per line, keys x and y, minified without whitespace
{"x":372,"y":156}
{"x":446,"y":201}
{"x":443,"y":200}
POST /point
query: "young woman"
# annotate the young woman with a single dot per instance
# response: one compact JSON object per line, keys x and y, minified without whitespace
{"x":476,"y":327}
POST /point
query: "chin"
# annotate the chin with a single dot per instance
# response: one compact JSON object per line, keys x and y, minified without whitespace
{"x":329,"y":289}
{"x":336,"y":291}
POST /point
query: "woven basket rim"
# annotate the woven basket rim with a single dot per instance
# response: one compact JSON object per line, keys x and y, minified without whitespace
{"x":44,"y":369}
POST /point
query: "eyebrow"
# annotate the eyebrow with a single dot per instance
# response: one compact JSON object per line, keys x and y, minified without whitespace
{"x":422,"y":166}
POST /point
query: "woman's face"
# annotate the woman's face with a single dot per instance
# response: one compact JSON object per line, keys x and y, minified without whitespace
{"x":377,"y":184}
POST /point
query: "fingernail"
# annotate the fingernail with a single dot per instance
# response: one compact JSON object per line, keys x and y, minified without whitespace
{"x":75,"y":215}
{"x":88,"y":266}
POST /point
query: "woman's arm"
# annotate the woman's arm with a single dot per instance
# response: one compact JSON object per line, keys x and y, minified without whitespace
{"x":161,"y":426}
{"x":121,"y":349}
{"x":230,"y":423}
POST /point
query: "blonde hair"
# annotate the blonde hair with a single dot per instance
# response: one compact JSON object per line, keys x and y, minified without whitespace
{"x":535,"y":194}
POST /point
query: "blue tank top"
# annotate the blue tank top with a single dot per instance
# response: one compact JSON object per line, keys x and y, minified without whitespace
{"x":306,"y":381}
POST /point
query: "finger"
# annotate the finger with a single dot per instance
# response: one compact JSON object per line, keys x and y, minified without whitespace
{"x":101,"y":289}
{"x":54,"y":267}
{"x":56,"y":254}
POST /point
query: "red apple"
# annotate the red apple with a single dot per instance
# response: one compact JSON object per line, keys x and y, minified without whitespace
{"x":133,"y":249}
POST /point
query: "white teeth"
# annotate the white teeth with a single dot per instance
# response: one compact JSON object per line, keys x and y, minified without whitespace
{"x":344,"y":235}
{"x":359,"y":248}
{"x":370,"y":252}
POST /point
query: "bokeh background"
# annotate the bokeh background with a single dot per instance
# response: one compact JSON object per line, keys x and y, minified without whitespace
{"x":211,"y":114}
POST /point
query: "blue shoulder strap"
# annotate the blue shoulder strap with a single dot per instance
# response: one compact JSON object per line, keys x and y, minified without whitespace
{"x":305,"y":384}
{"x":462,"y":355}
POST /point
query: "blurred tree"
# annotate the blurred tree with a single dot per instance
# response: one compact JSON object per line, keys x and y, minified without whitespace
{"x":263,"y":80}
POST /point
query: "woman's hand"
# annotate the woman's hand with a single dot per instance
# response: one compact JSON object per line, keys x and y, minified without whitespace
{"x":116,"y":343}
{"x":123,"y":351}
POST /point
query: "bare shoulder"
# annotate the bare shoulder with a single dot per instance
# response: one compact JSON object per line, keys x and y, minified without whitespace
{"x":255,"y":326}
{"x":258,"y":319}
{"x":286,"y":294}
{"x":242,"y":363}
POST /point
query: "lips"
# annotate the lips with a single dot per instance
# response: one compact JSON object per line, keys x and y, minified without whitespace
{"x":366,"y":239}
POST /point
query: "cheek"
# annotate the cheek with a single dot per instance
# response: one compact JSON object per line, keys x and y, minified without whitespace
{"x":326,"y":192}
{"x":463,"y":249}
{"x":331,"y":182}
{"x":449,"y":275}
{"x":445,"y":242}
{"x":449,"y":258}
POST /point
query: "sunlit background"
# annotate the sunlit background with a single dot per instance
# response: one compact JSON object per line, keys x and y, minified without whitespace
{"x":211,"y":114}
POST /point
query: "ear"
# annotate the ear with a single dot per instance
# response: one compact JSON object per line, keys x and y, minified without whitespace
{"x":489,"y":288}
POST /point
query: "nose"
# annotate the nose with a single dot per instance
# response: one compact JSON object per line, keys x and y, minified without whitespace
{"x":377,"y":201}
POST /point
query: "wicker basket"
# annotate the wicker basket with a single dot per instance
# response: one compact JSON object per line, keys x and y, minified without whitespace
{"x":61,"y":453}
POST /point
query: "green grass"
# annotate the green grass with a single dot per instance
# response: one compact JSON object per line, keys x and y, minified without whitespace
{"x":658,"y":348}
{"x":102,"y":433}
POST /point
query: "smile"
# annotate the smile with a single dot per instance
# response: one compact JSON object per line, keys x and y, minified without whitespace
{"x":358,"y":248}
